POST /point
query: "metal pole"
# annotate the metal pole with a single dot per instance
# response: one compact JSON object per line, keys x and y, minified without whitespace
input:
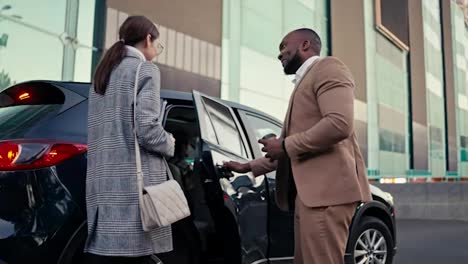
{"x":71,"y":27}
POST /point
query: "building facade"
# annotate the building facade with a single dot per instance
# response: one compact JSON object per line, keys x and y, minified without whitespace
{"x":409,"y":59}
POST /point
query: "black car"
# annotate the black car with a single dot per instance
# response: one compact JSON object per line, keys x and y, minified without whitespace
{"x":43,"y":131}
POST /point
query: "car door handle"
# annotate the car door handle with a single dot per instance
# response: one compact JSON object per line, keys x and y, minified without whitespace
{"x":223,"y":171}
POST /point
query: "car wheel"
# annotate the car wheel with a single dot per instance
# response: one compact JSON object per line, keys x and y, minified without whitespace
{"x":73,"y":251}
{"x":371,"y":242}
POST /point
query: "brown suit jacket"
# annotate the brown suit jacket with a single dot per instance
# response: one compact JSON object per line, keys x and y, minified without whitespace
{"x":322,"y":148}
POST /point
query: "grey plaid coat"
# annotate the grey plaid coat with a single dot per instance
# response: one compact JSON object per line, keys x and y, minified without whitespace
{"x":114,"y":225}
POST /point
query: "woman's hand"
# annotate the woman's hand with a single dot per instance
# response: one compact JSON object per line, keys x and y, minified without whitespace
{"x":172,"y":138}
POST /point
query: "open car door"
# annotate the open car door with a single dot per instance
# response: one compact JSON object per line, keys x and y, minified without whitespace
{"x":237,"y":201}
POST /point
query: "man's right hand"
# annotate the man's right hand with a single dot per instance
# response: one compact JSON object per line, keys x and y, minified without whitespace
{"x":237,"y":166}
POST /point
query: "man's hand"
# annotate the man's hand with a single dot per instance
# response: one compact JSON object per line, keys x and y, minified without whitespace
{"x":273,"y":148}
{"x":237,"y":166}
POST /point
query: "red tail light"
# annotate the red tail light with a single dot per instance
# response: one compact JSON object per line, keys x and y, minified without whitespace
{"x":35,"y":154}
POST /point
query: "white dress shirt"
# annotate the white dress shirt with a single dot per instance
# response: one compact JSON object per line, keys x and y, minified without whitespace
{"x":303,"y":69}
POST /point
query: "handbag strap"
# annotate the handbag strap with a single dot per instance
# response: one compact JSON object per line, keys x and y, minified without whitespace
{"x":137,"y":146}
{"x":168,"y":170}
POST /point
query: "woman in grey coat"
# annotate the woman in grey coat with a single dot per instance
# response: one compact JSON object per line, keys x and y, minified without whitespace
{"x":115,"y":233}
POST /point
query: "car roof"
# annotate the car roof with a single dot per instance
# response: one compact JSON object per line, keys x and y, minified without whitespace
{"x":82,"y":88}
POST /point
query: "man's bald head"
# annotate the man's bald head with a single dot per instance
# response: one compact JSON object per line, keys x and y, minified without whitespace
{"x":298,"y":46}
{"x":310,"y":35}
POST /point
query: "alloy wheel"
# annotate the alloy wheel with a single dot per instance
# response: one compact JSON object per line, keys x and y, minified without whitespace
{"x":370,"y":248}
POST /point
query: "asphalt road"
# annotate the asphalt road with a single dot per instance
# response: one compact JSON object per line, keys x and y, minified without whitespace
{"x":432,"y":242}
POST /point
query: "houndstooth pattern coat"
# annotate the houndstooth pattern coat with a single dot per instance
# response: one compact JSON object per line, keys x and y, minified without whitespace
{"x":114,"y":224}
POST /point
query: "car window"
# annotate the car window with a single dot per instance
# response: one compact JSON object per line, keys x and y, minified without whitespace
{"x":262,"y":127}
{"x":16,"y":121}
{"x":223,"y":130}
{"x":24,"y":106}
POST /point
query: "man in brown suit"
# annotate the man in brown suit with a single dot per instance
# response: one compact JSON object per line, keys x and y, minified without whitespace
{"x":317,"y":152}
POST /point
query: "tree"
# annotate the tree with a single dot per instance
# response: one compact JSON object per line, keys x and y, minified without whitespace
{"x":5,"y":80}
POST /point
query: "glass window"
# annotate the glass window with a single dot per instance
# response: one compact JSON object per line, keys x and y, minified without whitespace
{"x":262,"y":127}
{"x":435,"y":134}
{"x":49,"y":15}
{"x":464,"y":141}
{"x":400,"y":143}
{"x":23,"y":106}
{"x":224,"y":130}
{"x":392,"y":142}
{"x":243,"y":50}
{"x":385,"y":139}
{"x":32,"y":42}
{"x":29,"y":54}
{"x":33,"y":49}
{"x":18,"y":120}
{"x":393,"y":16}
{"x":182,"y":123}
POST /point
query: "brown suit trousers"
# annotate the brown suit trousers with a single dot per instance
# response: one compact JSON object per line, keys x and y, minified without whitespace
{"x":320,"y":233}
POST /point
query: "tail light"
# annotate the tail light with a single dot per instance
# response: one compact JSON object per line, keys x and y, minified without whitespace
{"x":35,"y":154}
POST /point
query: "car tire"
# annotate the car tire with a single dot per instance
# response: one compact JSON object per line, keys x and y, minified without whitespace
{"x":372,"y":240}
{"x":73,"y":251}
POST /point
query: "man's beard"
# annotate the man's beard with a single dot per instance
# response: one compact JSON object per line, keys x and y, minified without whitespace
{"x":293,"y":65}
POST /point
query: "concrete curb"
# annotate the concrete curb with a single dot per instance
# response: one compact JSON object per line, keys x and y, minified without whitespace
{"x":435,"y":201}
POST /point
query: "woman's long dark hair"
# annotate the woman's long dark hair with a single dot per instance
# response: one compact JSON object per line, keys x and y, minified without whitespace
{"x":132,"y":31}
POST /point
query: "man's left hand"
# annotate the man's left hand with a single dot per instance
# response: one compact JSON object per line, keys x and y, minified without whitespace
{"x":273,"y":148}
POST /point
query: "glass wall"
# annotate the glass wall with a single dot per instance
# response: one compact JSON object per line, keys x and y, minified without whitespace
{"x":252,"y":31}
{"x":387,"y":102}
{"x":460,"y":61}
{"x":49,"y":39}
{"x":434,"y":86}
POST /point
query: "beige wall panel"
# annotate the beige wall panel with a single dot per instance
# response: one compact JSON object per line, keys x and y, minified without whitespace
{"x":347,"y":34}
{"x":201,"y":19}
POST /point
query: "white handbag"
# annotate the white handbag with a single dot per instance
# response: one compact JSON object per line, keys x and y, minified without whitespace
{"x":161,"y":204}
